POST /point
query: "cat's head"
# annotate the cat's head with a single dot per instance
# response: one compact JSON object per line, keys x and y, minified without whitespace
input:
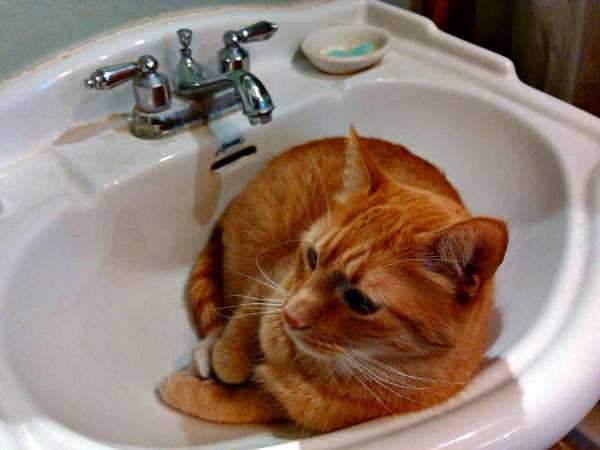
{"x":391,"y":271}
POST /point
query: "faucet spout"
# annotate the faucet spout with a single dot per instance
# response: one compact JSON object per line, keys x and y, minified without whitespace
{"x":237,"y":89}
{"x":257,"y":104}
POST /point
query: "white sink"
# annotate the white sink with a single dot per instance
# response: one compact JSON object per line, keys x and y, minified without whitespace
{"x":98,"y":230}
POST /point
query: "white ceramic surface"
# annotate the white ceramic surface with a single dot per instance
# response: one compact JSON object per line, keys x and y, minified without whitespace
{"x":317,"y":46}
{"x":98,"y":230}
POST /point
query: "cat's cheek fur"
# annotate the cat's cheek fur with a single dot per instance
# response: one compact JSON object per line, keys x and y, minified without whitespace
{"x":277,"y":346}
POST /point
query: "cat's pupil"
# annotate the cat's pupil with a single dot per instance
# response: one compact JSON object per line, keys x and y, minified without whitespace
{"x":359,"y":302}
{"x":311,"y":256}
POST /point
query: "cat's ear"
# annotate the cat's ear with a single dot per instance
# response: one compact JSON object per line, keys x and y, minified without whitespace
{"x":469,"y":252}
{"x":361,"y":171}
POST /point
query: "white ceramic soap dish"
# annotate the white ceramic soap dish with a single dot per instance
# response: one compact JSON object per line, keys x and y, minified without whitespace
{"x":346,"y":48}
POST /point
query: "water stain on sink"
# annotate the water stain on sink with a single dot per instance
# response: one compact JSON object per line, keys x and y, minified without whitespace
{"x":115,"y":121}
{"x":206,"y":204}
{"x":207,"y":184}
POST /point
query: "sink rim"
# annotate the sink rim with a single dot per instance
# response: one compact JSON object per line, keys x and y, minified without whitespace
{"x":502,"y":383}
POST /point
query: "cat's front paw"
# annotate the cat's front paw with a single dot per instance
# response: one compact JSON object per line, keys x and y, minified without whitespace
{"x":179,"y":391}
{"x":232,"y":364}
{"x":201,"y":356}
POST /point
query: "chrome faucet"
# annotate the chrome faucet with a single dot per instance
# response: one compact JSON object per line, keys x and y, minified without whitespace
{"x":199,"y":96}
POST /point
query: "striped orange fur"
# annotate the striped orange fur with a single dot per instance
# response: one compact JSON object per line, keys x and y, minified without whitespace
{"x":346,"y":282}
{"x":205,"y":285}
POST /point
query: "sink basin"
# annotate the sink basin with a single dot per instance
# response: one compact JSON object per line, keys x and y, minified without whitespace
{"x":98,"y":230}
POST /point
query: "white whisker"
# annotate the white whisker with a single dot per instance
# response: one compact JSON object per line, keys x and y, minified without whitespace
{"x":371,"y":369}
{"x":367,"y":388}
{"x":398,"y":372}
{"x":376,"y":379}
{"x":255,"y":279}
{"x":250,"y":314}
{"x":322,"y":181}
{"x":267,"y":277}
{"x":250,"y":305}
{"x":273,"y":300}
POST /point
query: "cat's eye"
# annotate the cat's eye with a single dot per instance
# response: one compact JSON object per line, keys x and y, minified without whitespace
{"x":311,"y":258}
{"x":359,"y":302}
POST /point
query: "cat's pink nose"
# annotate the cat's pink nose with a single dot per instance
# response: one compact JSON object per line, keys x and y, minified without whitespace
{"x":293,"y":321}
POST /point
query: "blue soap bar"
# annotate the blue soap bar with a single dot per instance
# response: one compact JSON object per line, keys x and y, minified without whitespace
{"x":357,"y":50}
{"x":362,"y":49}
{"x":338,"y":53}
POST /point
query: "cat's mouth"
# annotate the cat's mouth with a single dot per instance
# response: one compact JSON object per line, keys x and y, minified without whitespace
{"x":318,"y":348}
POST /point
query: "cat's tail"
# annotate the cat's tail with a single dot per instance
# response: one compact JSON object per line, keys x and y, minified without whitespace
{"x":205,"y":286}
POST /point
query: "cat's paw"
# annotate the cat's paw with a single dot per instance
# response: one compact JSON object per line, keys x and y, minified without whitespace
{"x":201,"y":356}
{"x":178,"y":391}
{"x":232,"y":365}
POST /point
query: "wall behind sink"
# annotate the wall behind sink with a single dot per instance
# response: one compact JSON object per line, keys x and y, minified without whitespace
{"x":34,"y":30}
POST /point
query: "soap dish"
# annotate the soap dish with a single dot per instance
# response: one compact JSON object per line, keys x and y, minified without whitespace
{"x":345,"y":48}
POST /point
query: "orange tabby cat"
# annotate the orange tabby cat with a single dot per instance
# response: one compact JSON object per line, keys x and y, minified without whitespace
{"x":358,"y":286}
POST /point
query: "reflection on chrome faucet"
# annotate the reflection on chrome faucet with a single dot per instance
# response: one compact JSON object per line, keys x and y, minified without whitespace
{"x":199,"y":96}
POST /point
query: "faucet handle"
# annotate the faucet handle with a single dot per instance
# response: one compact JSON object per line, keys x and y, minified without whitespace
{"x":188,"y":73}
{"x":233,"y":56}
{"x":108,"y":77}
{"x":151,"y":89}
{"x":260,"y":31}
{"x":185,"y":39}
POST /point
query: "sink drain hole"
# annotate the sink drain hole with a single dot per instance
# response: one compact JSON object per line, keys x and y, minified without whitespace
{"x":233,"y":157}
